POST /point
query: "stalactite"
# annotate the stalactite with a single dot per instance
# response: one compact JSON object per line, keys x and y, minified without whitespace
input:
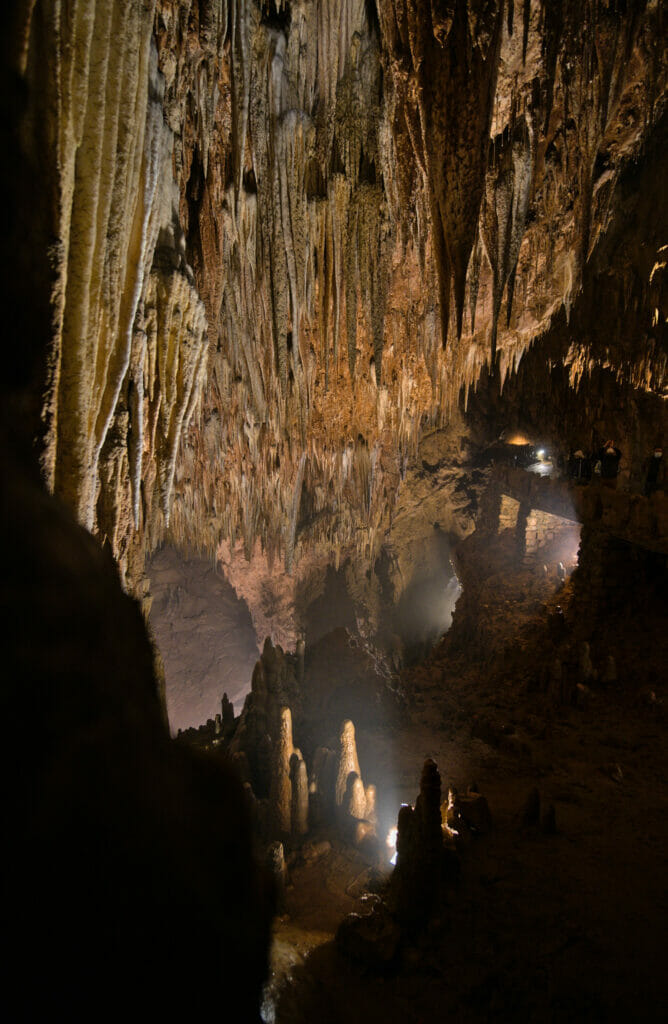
{"x":454,"y":76}
{"x":526,"y":21}
{"x":181,"y":362}
{"x":504,"y":211}
{"x":294,"y":202}
{"x":294,"y":513}
{"x":474,"y":280}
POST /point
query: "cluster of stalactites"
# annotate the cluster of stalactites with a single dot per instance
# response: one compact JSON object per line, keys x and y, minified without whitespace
{"x":344,"y":193}
{"x":340,"y":180}
{"x":306,"y":228}
{"x":305,"y":246}
{"x":561,"y":84}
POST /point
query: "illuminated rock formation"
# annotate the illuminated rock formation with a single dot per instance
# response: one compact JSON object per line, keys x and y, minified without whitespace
{"x":299,"y":809}
{"x":280,"y":793}
{"x":348,"y":763}
{"x":262,"y":212}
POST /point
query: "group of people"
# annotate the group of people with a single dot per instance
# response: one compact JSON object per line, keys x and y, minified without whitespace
{"x":603,"y":463}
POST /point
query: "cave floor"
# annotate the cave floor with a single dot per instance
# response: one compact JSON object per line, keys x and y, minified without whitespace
{"x":540,"y":927}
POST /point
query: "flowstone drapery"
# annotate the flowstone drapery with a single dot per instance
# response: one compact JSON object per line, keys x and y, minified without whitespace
{"x":270,"y":217}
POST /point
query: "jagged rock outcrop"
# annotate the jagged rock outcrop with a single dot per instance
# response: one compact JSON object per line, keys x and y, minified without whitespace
{"x":419,"y":874}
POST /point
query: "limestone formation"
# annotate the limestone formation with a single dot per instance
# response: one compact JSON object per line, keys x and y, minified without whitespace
{"x":273,"y":690}
{"x":354,"y":801}
{"x":348,"y":762}
{"x":263,"y":739}
{"x":227,"y":714}
{"x":421,"y":866}
{"x":280,"y":793}
{"x":299,"y":823}
{"x":370,"y":804}
{"x":266,"y":226}
{"x":279,"y":871}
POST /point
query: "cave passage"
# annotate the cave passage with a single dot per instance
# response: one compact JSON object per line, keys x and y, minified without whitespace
{"x":205,"y":636}
{"x":424,"y":611}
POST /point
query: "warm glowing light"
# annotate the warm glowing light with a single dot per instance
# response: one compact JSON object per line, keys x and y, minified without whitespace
{"x":391,"y":842}
{"x":519,"y":439}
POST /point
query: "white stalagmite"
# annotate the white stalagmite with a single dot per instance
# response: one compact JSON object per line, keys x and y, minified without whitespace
{"x":347,"y":761}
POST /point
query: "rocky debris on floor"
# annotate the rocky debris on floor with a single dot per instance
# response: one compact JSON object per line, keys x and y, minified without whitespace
{"x":370,"y":940}
{"x":427,"y":868}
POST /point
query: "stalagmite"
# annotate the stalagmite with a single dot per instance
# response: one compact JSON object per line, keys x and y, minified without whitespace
{"x":347,"y":761}
{"x":354,"y":802}
{"x":277,"y":866}
{"x":300,"y":795}
{"x":280,"y":795}
{"x":370,"y":803}
{"x":227,"y":712}
{"x":420,"y":871}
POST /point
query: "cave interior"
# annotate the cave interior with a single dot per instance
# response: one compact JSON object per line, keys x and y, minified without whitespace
{"x":334,"y":488}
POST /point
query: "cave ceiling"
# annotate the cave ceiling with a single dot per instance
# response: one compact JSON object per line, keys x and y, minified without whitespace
{"x":287,"y":237}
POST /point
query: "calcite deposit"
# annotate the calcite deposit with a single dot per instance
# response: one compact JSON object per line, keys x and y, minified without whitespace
{"x":284,"y":235}
{"x":287,"y":278}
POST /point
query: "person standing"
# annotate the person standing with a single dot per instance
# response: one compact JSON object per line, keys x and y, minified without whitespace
{"x":655,"y":472}
{"x":579,"y":467}
{"x":609,"y":456}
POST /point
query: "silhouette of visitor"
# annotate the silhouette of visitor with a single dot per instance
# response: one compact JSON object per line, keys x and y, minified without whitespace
{"x":655,"y":471}
{"x":579,"y":467}
{"x":609,"y":456}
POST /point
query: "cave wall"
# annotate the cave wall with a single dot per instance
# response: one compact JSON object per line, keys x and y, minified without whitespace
{"x":598,"y":372}
{"x":283,"y":234}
